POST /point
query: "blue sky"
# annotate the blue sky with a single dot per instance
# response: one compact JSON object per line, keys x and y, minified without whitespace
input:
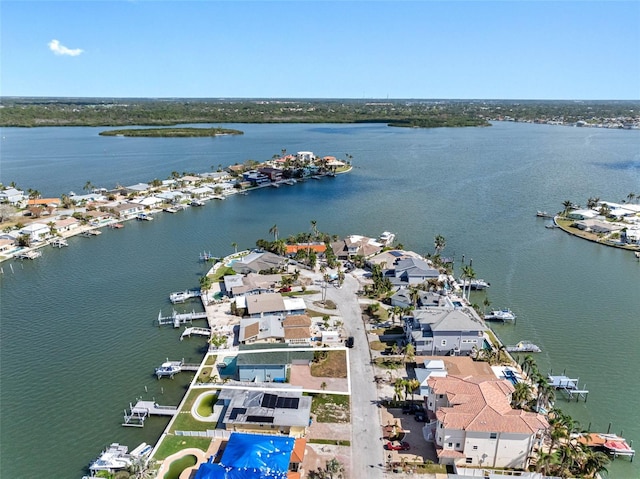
{"x":321,"y":49}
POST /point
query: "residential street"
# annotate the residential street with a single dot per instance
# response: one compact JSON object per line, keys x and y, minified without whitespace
{"x":367,"y":454}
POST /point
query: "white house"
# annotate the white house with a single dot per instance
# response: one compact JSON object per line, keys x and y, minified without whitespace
{"x":36,"y":231}
{"x":11,"y":195}
{"x":476,"y":426}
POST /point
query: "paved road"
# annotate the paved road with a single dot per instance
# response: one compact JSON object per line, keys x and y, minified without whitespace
{"x":367,"y":454}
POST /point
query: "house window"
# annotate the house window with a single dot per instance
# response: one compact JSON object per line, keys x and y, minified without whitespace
{"x":475,"y":448}
{"x":440,"y":396}
{"x":457,"y":445}
{"x":493,"y":435}
{"x":449,"y":444}
{"x":468,"y":460}
{"x":443,"y":342}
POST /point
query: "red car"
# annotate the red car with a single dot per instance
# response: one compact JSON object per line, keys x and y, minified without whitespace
{"x":397,"y":446}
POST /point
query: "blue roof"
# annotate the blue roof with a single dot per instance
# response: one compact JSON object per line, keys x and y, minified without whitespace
{"x":251,"y":456}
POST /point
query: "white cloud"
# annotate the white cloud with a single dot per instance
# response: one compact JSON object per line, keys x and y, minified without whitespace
{"x":58,"y":49}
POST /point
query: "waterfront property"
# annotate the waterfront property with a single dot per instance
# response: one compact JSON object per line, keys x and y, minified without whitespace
{"x":258,"y":410}
{"x":444,"y":331}
{"x":476,"y":426}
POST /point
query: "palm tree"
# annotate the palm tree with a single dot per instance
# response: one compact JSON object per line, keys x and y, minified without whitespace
{"x":439,"y":243}
{"x":398,"y":389}
{"x":88,"y":186}
{"x":595,"y":462}
{"x":411,"y":385}
{"x":522,"y":394}
{"x":630,"y":197}
{"x":529,"y":365}
{"x":235,"y":246}
{"x":567,"y":204}
{"x":274,"y":231}
{"x":486,"y":303}
{"x":409,"y":357}
{"x":314,"y":228}
{"x":468,"y":274}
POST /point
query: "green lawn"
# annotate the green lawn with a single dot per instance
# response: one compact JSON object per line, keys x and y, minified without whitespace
{"x":180,"y":465}
{"x":172,"y":444}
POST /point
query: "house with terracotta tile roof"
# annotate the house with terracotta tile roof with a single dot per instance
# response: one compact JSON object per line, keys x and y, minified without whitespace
{"x":292,"y":249}
{"x":475,"y":424}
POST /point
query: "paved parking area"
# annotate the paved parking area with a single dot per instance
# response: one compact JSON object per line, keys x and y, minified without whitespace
{"x":301,"y":376}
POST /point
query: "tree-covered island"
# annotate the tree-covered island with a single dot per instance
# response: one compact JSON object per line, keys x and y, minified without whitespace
{"x":171,"y":132}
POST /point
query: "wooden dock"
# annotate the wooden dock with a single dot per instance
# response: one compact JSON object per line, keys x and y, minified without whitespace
{"x":139,"y":412}
{"x":177,"y":319}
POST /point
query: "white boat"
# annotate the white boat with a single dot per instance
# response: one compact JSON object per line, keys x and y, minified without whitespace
{"x":168,"y":368}
{"x":113,"y":459}
{"x":475,"y":284}
{"x":182,"y":296}
{"x":173,"y":209}
{"x":523,"y":347}
{"x":33,"y":254}
{"x":386,"y":238}
{"x":500,"y":315}
{"x":144,"y":217}
{"x":197,"y":203}
{"x":59,"y":243}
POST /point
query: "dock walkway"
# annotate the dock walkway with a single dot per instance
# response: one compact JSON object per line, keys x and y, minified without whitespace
{"x":139,"y":412}
{"x":178,"y":319}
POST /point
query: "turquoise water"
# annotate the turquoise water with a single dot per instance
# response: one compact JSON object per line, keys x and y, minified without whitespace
{"x":77,"y":325}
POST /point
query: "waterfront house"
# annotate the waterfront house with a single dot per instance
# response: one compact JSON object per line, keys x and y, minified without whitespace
{"x":97,"y":217}
{"x":582,"y":214}
{"x":476,"y":426}
{"x":147,"y":201}
{"x":6,"y":245}
{"x":356,"y":245}
{"x":67,"y":225}
{"x":319,"y":248}
{"x":258,"y":261}
{"x":274,"y":174}
{"x":138,"y":189}
{"x":305,"y":156}
{"x":259,"y":305}
{"x":12,"y":196}
{"x":413,"y":271}
{"x":425,"y":299}
{"x":255,"y":456}
{"x":293,"y":329}
{"x":252,"y":283}
{"x":271,"y":365}
{"x":127,"y":210}
{"x":199,"y":192}
{"x":444,"y":331}
{"x":36,"y":232}
{"x":260,"y":411}
{"x":255,"y":178}
{"x":173,"y":196}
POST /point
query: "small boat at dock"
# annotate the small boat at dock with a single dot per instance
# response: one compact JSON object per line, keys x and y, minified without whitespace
{"x":59,"y":243}
{"x":523,"y":347}
{"x":500,"y":315}
{"x":33,"y":254}
{"x":168,"y":368}
{"x":543,"y":214}
{"x":116,"y":226}
{"x":197,"y":203}
{"x":474,"y":284}
{"x":144,"y":217}
{"x":182,"y":296}
{"x":173,"y":209}
{"x":610,"y":443}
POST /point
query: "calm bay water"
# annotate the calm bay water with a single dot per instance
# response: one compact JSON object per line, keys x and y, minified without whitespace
{"x":78,"y":340}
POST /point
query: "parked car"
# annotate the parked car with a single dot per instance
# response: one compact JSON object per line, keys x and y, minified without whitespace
{"x":284,"y":289}
{"x":397,"y":446}
{"x":421,"y":416}
{"x":349,"y":342}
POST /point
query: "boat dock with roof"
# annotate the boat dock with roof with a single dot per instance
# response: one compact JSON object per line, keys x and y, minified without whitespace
{"x":182,"y":296}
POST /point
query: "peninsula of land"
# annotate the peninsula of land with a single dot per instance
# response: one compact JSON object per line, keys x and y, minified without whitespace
{"x":171,"y":132}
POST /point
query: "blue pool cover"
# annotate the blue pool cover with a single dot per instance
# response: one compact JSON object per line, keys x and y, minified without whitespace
{"x":251,"y":456}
